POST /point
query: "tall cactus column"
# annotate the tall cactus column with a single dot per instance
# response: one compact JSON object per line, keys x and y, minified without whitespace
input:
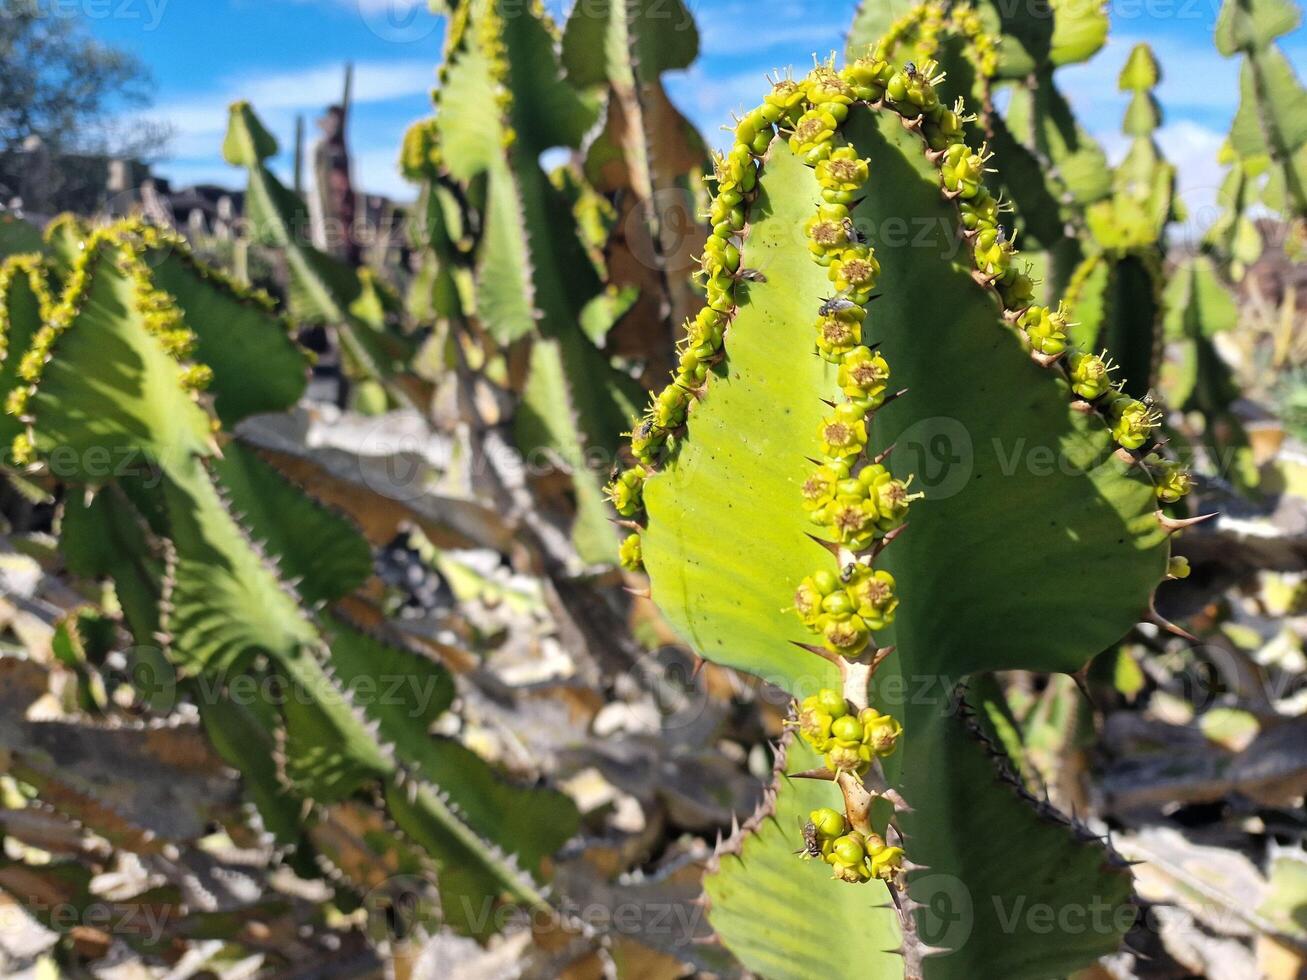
{"x":765,"y":487}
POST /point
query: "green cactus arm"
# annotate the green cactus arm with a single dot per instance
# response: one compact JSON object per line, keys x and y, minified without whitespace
{"x":322,"y":288}
{"x":25,"y":302}
{"x":1104,"y":515}
{"x":1246,"y":25}
{"x":788,"y":919}
{"x":1272,"y":121}
{"x":1080,"y":29}
{"x":104,"y":537}
{"x":556,"y":417}
{"x":724,"y":544}
{"x":1034,"y":38}
{"x":257,"y":366}
{"x":110,"y":313}
{"x":1199,"y":306}
{"x":18,"y":237}
{"x":1116,"y":297}
{"x":319,"y":549}
{"x":203,"y":547}
{"x":227,"y":600}
{"x":505,"y":102}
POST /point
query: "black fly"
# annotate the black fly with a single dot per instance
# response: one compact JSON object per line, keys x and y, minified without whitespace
{"x":831,"y":305}
{"x":811,"y":842}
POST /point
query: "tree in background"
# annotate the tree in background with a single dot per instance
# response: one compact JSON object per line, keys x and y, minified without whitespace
{"x":65,"y":87}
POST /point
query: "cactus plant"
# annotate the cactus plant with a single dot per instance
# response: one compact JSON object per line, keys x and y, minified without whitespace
{"x":149,"y":357}
{"x":1267,"y":148}
{"x":323,"y":288}
{"x":763,"y":486}
{"x":648,"y":159}
{"x":1115,"y":294}
{"x":503,"y":101}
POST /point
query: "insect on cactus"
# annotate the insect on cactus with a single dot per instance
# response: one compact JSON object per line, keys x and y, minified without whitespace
{"x":789,"y":525}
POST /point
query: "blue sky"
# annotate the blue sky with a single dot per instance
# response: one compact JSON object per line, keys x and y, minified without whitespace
{"x":286,"y":56}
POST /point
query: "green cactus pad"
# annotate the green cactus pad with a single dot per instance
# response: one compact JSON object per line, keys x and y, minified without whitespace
{"x":1036,"y":545}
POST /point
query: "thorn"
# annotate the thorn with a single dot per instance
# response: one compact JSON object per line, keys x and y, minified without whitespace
{"x":638,"y":593}
{"x":981,"y":277}
{"x":1082,"y":406}
{"x":1174,"y":524}
{"x":1157,"y":619}
{"x":699,"y":663}
{"x":629,"y":525}
{"x":883,"y":455}
{"x":1045,"y":360}
{"x":830,"y":546}
{"x":819,"y":651}
{"x":897,"y":394}
{"x":1081,"y":678}
{"x":878,"y":657}
{"x":887,"y":540}
{"x":825,"y":774}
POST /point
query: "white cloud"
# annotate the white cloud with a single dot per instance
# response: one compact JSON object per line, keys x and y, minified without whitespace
{"x":736,"y":28}
{"x":199,"y":122}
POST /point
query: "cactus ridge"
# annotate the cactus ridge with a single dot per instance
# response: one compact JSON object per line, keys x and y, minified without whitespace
{"x":31,"y":267}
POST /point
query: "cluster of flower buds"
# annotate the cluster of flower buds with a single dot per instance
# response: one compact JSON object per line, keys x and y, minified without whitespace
{"x":489,"y":30}
{"x":419,"y":156}
{"x":848,"y":740}
{"x":1045,"y":328}
{"x":984,"y":46}
{"x":1173,"y":481}
{"x":853,"y":857}
{"x":854,"y":499}
{"x":845,"y":609}
{"x":858,"y":509}
{"x":923,"y":24}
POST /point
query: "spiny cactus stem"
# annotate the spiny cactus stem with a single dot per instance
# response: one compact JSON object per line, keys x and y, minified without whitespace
{"x":857,"y":681}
